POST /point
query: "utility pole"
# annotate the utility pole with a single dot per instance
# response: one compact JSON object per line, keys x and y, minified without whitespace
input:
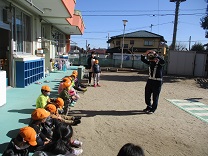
{"x":151,"y":27}
{"x":175,"y":22}
{"x":189,"y":43}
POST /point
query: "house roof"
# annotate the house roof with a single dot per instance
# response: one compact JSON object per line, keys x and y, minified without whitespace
{"x":138,"y":34}
{"x":97,"y":51}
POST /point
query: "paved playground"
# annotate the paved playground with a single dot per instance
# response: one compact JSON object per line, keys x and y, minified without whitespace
{"x":112,"y":115}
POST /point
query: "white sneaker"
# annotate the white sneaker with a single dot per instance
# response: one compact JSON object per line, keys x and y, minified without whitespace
{"x":77,"y":151}
{"x":77,"y":143}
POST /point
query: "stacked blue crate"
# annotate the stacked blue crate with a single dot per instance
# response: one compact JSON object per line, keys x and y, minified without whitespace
{"x":28,"y":72}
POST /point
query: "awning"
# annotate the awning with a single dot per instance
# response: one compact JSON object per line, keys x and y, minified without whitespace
{"x":56,"y":12}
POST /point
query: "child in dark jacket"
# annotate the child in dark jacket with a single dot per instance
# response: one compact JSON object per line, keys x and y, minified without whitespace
{"x":38,"y":117}
{"x":19,"y":146}
{"x":96,"y":73}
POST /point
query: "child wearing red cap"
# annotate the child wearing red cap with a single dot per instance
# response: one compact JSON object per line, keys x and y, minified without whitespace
{"x":19,"y":145}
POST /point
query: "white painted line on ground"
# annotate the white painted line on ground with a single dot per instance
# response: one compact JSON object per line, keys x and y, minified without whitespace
{"x":190,"y":104}
{"x":201,"y":114}
{"x":197,"y":108}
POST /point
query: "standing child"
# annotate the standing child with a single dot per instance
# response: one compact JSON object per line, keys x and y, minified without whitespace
{"x":96,"y":73}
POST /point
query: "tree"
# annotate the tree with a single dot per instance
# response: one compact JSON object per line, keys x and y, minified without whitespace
{"x":197,"y":47}
{"x":180,"y":46}
{"x":204,"y":24}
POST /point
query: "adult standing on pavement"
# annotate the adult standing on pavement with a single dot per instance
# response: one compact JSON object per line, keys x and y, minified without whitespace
{"x":154,"y":82}
{"x":90,"y":62}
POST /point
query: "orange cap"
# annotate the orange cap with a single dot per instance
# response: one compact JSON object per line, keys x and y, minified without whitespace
{"x":60,"y":102}
{"x":66,"y":79}
{"x":96,"y":61}
{"x":66,"y":84}
{"x":29,"y":135}
{"x":51,"y":108}
{"x":73,"y":75}
{"x":46,"y":88}
{"x":39,"y":114}
{"x":75,"y":72}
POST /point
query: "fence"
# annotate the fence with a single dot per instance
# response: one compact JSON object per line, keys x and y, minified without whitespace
{"x":133,"y":63}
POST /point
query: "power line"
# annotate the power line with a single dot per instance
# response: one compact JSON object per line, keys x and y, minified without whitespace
{"x":129,"y":29}
{"x":190,"y":14}
{"x":138,"y":10}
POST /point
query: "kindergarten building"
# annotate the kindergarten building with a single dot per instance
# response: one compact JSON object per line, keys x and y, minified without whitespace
{"x":33,"y":32}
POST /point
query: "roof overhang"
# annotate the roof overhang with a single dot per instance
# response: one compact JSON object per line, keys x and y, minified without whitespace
{"x":55,"y":12}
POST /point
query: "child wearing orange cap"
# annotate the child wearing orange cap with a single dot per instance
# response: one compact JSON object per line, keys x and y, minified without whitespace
{"x":43,"y":99}
{"x":20,"y":144}
{"x":62,"y":143}
{"x":72,"y":92}
{"x":60,"y":88}
{"x":71,"y":120}
{"x":77,"y":85}
{"x":38,"y":117}
{"x":59,"y":103}
{"x":66,"y":96}
{"x":96,"y":73}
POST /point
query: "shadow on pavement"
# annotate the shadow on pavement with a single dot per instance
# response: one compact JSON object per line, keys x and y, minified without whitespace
{"x":25,"y":121}
{"x":123,"y":78}
{"x":22,"y":111}
{"x":193,"y":99}
{"x":202,"y":82}
{"x":13,"y":133}
{"x":3,"y":147}
{"x":91,"y":113}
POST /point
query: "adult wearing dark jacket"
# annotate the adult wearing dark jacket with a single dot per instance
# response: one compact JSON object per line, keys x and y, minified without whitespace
{"x":154,"y":82}
{"x":90,"y":62}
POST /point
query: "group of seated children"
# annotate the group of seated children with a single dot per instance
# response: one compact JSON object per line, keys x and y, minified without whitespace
{"x":50,"y":129}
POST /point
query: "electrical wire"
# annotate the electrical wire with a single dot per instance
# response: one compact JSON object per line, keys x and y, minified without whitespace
{"x":139,"y":10}
{"x":190,"y":14}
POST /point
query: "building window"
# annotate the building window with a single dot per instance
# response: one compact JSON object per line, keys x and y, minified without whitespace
{"x":126,"y":46}
{"x":118,"y":43}
{"x":22,"y":32}
{"x":148,"y":43}
{"x":131,"y":42}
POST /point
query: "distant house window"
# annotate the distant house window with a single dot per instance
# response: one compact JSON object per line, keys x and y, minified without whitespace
{"x":118,"y":43}
{"x":148,"y":43}
{"x":126,"y":46}
{"x":131,"y":42}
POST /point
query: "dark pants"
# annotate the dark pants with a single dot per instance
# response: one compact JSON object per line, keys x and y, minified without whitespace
{"x":152,"y":88}
{"x":90,"y":77}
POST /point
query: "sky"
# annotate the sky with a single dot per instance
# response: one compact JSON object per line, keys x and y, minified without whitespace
{"x":103,"y":19}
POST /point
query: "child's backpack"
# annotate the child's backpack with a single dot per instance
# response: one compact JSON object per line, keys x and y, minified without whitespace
{"x":96,"y":68}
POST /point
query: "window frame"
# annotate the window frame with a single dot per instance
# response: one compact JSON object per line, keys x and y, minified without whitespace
{"x":23,"y":40}
{"x":148,"y":42}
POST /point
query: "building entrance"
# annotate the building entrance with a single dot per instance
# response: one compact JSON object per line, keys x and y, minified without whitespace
{"x":4,"y":52}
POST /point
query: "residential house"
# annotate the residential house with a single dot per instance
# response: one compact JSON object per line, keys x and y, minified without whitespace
{"x":136,"y":43}
{"x":35,"y":27}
